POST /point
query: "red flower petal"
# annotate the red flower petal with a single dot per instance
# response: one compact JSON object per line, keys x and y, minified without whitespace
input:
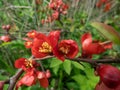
{"x":44,"y":82}
{"x":32,"y":34}
{"x":86,"y":38}
{"x":90,"y":47}
{"x":5,"y":38}
{"x":20,"y":62}
{"x":28,"y":44}
{"x":28,"y":79}
{"x":109,"y":75}
{"x":54,"y":37}
{"x":37,"y":44}
{"x":94,"y":48}
{"x":67,"y":48}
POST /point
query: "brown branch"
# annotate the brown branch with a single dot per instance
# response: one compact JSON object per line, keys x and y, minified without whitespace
{"x":12,"y":81}
{"x":95,"y":62}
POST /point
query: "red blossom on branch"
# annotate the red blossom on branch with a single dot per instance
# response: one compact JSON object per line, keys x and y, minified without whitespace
{"x":31,"y":73}
{"x":90,"y":47}
{"x":67,"y":48}
{"x":43,"y":45}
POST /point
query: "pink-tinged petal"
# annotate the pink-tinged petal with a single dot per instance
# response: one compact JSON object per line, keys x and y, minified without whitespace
{"x":94,"y":48}
{"x":107,"y":45}
{"x":54,"y":37}
{"x":109,"y":75}
{"x":40,"y":75}
{"x":28,"y":79}
{"x":20,"y":62}
{"x":44,"y":82}
{"x":86,"y":38}
{"x":1,"y":85}
{"x":48,"y":74}
{"x":5,"y":38}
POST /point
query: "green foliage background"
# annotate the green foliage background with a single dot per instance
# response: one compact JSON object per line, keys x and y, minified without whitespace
{"x":25,"y":15}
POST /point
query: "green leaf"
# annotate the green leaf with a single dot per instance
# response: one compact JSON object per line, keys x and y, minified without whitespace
{"x":77,"y":65}
{"x":55,"y":62}
{"x":108,"y":31}
{"x":55,"y":69}
{"x":79,"y":79}
{"x":67,"y":66}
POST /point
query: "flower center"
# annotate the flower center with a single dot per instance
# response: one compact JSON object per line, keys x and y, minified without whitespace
{"x":28,"y":63}
{"x":64,"y":50}
{"x":45,"y":48}
{"x":29,"y":43}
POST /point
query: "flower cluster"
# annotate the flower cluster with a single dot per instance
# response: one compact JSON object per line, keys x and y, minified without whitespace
{"x":106,"y":3}
{"x":109,"y":77}
{"x":6,"y":37}
{"x":31,"y":73}
{"x":43,"y":45}
{"x":58,"y":7}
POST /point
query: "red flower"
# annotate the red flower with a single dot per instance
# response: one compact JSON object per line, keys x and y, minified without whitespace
{"x":67,"y":48}
{"x":28,"y":79}
{"x":25,"y":64}
{"x":107,"y":7}
{"x":42,"y":77}
{"x":90,"y":47}
{"x":31,"y":77}
{"x":32,"y":34}
{"x":109,"y":75}
{"x":28,"y":44}
{"x":5,"y":38}
{"x":43,"y":45}
{"x":54,"y":37}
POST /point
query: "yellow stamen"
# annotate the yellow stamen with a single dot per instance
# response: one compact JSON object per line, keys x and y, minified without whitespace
{"x":29,"y":43}
{"x":64,"y":50}
{"x":28,"y":63}
{"x":46,"y":48}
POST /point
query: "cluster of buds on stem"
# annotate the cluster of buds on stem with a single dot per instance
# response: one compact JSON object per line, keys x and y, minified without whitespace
{"x":6,"y":37}
{"x":105,"y":3}
{"x":58,"y":7}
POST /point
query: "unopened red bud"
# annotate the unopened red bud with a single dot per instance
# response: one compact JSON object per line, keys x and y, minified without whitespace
{"x":109,"y":75}
{"x":8,"y":27}
{"x":48,"y":74}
